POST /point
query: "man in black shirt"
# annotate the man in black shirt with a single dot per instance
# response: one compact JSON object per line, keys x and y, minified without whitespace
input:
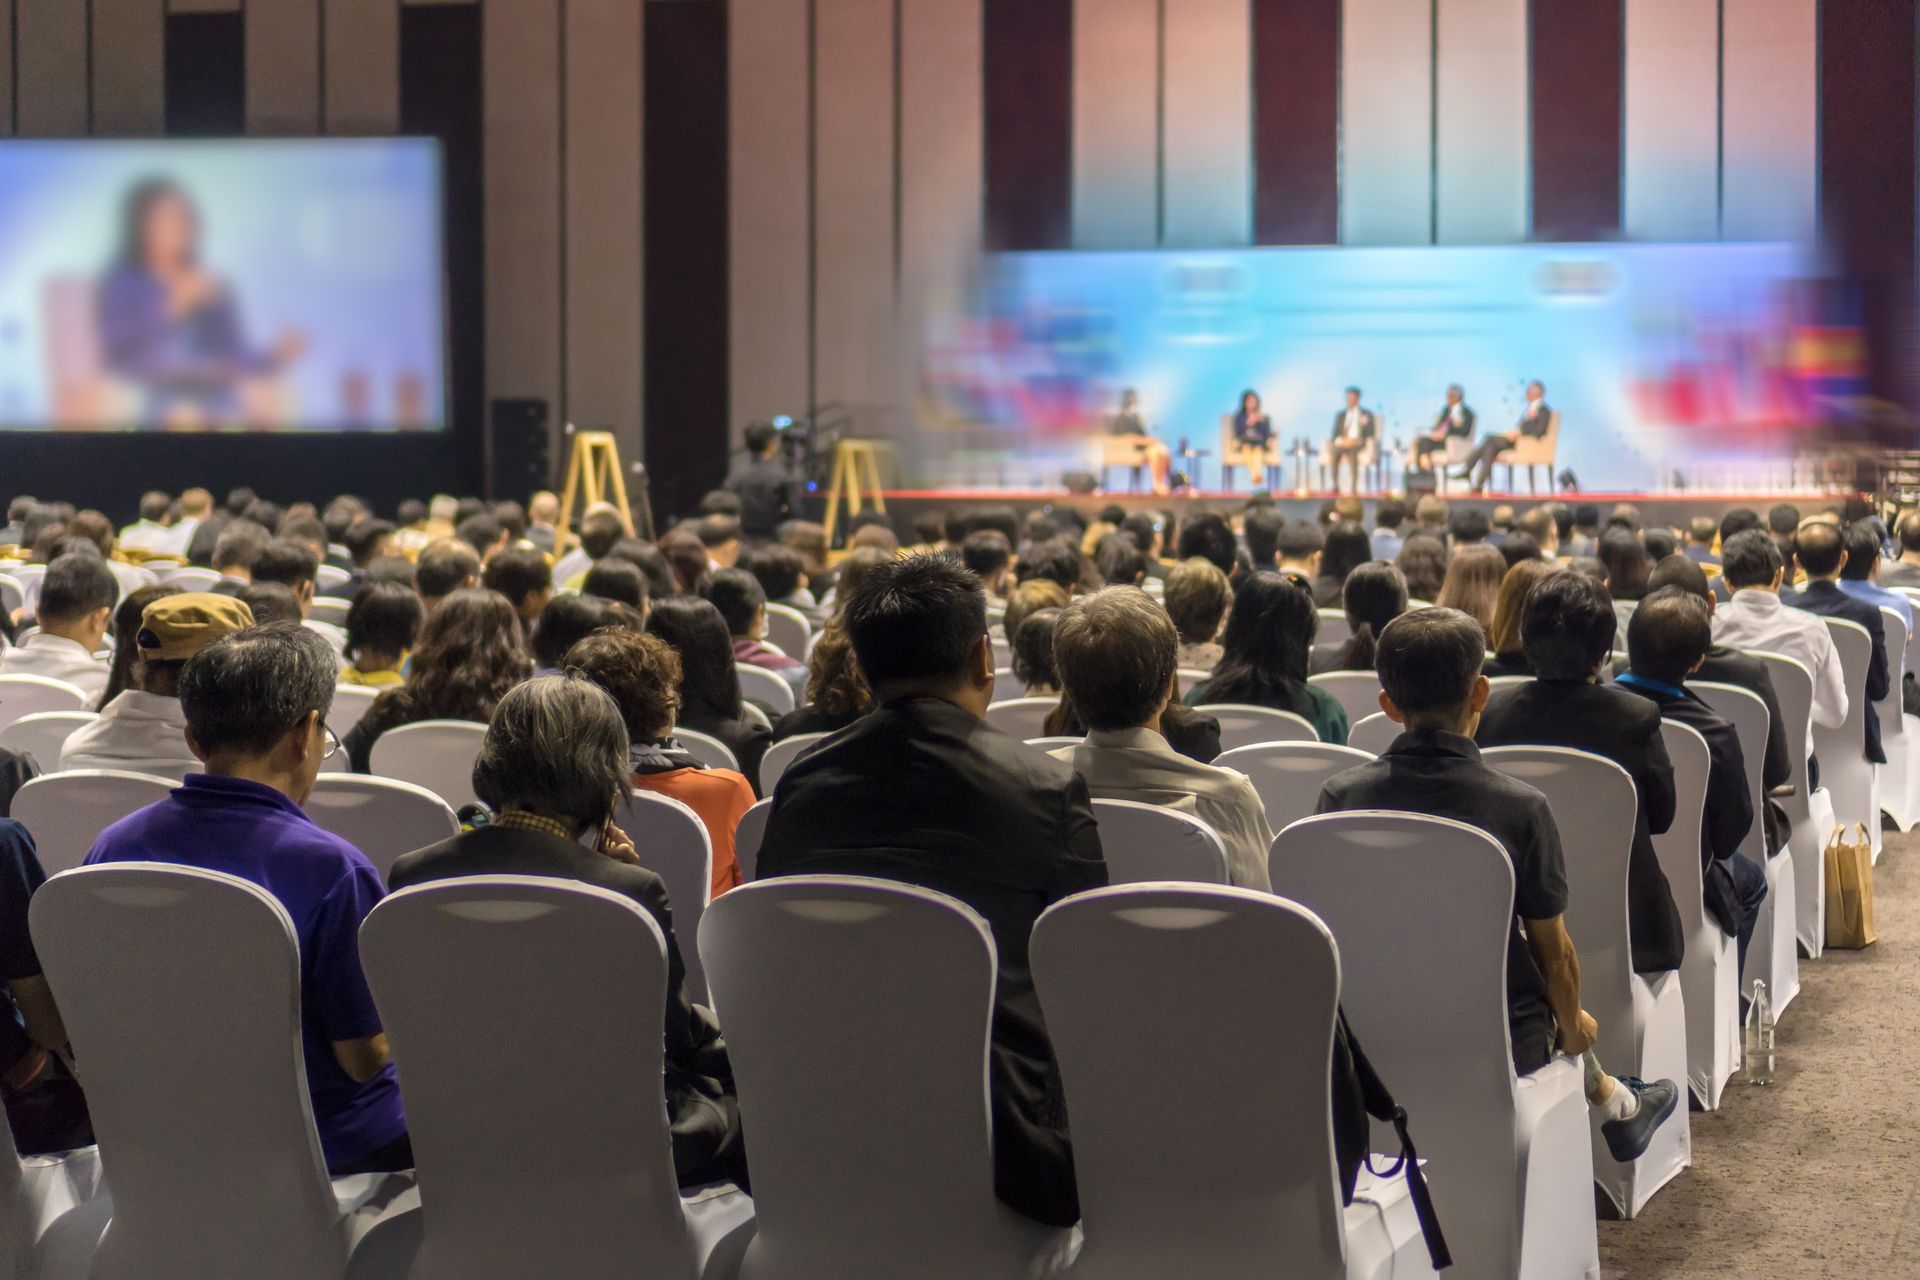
{"x":1429,"y":665}
{"x":921,"y":790}
{"x":769,"y":492}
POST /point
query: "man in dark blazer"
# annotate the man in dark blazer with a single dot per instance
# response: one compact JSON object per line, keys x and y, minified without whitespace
{"x":1534,"y":422}
{"x":1667,"y":640}
{"x":1455,"y":420}
{"x":1567,"y":633}
{"x":1821,"y":553}
{"x":921,"y":790}
{"x":1353,"y":427}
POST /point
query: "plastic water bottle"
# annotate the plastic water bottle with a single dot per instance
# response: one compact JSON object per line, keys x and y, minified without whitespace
{"x":1760,"y":1036}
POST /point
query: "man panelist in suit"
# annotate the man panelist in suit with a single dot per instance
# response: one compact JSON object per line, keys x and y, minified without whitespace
{"x":1535,"y":419}
{"x":1455,"y":420}
{"x":1353,"y":429}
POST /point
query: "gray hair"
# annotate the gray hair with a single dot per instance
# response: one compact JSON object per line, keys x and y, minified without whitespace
{"x":557,"y":746}
{"x":247,"y":690}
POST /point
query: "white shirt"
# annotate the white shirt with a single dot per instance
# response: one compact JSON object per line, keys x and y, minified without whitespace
{"x":143,"y":732}
{"x":1351,"y":426}
{"x":570,"y":565}
{"x":1137,"y":764}
{"x":1756,"y":619}
{"x":58,"y":658}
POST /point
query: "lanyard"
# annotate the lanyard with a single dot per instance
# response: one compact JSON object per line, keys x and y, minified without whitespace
{"x":1641,"y":682}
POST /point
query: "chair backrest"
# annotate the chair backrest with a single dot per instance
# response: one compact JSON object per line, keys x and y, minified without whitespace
{"x":519,"y":1178}
{"x":381,"y":817}
{"x":1889,"y":709}
{"x":193,"y":578}
{"x":1244,"y":726}
{"x":1855,"y":647}
{"x":42,"y":734}
{"x":1289,"y":775}
{"x":1022,"y":718}
{"x":1678,"y":848}
{"x":1912,"y":597}
{"x":329,"y":609}
{"x":350,"y":703}
{"x":66,"y":812}
{"x":180,"y":989}
{"x":1357,"y":692}
{"x":762,"y":685}
{"x":1507,"y":682}
{"x":747,"y":838}
{"x":708,"y":750}
{"x":1189,"y":677}
{"x":13,"y":596}
{"x":1257,"y":980}
{"x":781,"y":754}
{"x":22,"y":695}
{"x":1143,"y":843}
{"x":788,"y":628}
{"x":1374,"y":734}
{"x":1421,"y":908}
{"x":1333,"y":626}
{"x":673,"y":844}
{"x":1008,"y":686}
{"x":1793,"y":690}
{"x":329,"y":576}
{"x":1594,"y":804}
{"x":1746,"y":711}
{"x":858,"y":1172}
{"x":1054,"y":744}
{"x":435,"y":754}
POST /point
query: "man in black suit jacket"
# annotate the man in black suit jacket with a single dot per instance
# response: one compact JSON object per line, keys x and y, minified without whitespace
{"x":1455,"y":420}
{"x":1353,"y":427}
{"x":923,"y":791}
{"x":1821,"y":553}
{"x":1567,"y":633}
{"x":1667,"y":640}
{"x":1535,"y":420}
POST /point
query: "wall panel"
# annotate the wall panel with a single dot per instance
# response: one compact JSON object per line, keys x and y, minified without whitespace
{"x":1575,"y":73}
{"x":1386,"y":123}
{"x":50,"y":69}
{"x":1207,"y":177}
{"x":362,"y":57}
{"x":1670,"y":189}
{"x":1480,"y":129}
{"x":1028,"y":122}
{"x":1116,"y":124}
{"x":283,"y":66}
{"x":6,"y":68}
{"x":1296,"y":121}
{"x":129,"y":79}
{"x":1771,"y":164}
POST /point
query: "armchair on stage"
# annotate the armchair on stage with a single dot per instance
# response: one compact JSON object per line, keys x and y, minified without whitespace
{"x":1263,"y":465}
{"x":1136,"y":453}
{"x":1533,"y":451}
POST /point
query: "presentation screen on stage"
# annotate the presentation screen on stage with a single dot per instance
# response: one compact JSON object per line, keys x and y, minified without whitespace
{"x":1696,"y":364}
{"x":263,"y":285}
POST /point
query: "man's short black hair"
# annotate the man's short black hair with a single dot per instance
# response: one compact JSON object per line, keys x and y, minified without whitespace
{"x":1262,"y":527}
{"x":481,"y":531}
{"x":239,"y":545}
{"x":758,"y":436}
{"x":269,"y":601}
{"x":1862,"y":542}
{"x":512,"y":517}
{"x":1143,"y":529}
{"x":1586,"y":516}
{"x":1390,"y":514}
{"x":1819,"y":549}
{"x":1783,"y":518}
{"x":443,"y":567}
{"x":1679,"y":572}
{"x":362,"y":540}
{"x":651,"y":561}
{"x":1206,"y":535}
{"x":777,"y":568}
{"x":246,"y":691}
{"x":1300,"y":539}
{"x":154,"y":505}
{"x":615,"y":579}
{"x":1701,"y":530}
{"x":239,"y":499}
{"x":986,"y":554}
{"x":1466,"y":525}
{"x":1668,"y":634}
{"x":74,"y":586}
{"x":738,"y":596}
{"x":1751,"y":558}
{"x":516,"y":573}
{"x":385,"y":619}
{"x":917,"y":618}
{"x":286,"y":562}
{"x":1568,"y":627}
{"x":717,"y":530}
{"x":1056,"y":560}
{"x":1659,"y":543}
{"x":567,"y":620}
{"x":1428,"y":660}
{"x":1517,"y":546}
{"x":1736,"y":521}
{"x":720,"y":502}
{"x":410,"y":511}
{"x":599,"y":530}
{"x":1000,"y":520}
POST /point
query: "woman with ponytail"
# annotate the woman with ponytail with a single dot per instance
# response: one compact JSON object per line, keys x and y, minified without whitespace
{"x":1374,"y":595}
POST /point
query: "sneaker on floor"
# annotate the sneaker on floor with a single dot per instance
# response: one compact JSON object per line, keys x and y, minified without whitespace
{"x":1628,"y":1139}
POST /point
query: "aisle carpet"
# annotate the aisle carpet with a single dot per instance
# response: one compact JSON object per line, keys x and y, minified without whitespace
{"x":1818,"y":1174}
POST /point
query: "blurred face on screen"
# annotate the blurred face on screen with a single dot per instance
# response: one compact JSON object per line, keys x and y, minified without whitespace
{"x":169,"y":232}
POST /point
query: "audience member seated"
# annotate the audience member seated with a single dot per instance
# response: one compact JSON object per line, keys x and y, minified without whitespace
{"x":382,"y":624}
{"x":720,"y":535}
{"x":98,"y":530}
{"x":256,"y":706}
{"x":1423,"y":563}
{"x":1056,"y":560}
{"x":566,"y":621}
{"x":989,"y":557}
{"x":1374,"y":594}
{"x":483,"y":532}
{"x":1389,"y":517}
{"x":617,"y":580}
{"x":444,"y":567}
{"x":742,"y":604}
{"x":154,"y":533}
{"x":1701,"y":531}
{"x":1509,"y":655}
{"x":1431,"y":684}
{"x":470,"y":653}
{"x":1116,"y":652}
{"x":1905,"y":572}
{"x":1033,"y":655}
{"x":1347,"y":549}
{"x":809,"y":539}
{"x":642,"y":674}
{"x":782,"y":575}
{"x":1539,"y":524}
{"x":710,"y":700}
{"x":837,"y":694}
{"x":1472,"y":583}
{"x":1756,"y":618}
{"x":1197,"y":596}
{"x":687,"y":557}
{"x":1627,"y":564}
{"x":1263,"y":661}
{"x":521,"y":575}
{"x":143,"y":729}
{"x":269,"y":602}
{"x":1298,"y":551}
{"x":949,"y":804}
{"x":1822,"y":554}
{"x":1567,"y":633}
{"x":240,"y":544}
{"x":1468,"y":527}
{"x":1207,"y":536}
{"x":1667,"y":640}
{"x":77,"y":597}
{"x":367,"y":541}
{"x":600,"y":527}
{"x":126,"y":650}
{"x":1119,"y":561}
{"x":1860,"y":571}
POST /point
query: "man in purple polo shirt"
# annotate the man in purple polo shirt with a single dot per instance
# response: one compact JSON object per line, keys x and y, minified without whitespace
{"x":255,"y":705}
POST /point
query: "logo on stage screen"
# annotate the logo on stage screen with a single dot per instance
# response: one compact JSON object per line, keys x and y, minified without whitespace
{"x":1581,"y":278}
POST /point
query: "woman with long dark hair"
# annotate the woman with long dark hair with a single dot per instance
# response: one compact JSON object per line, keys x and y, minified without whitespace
{"x":1503,"y":638}
{"x":471,"y":651}
{"x":1263,"y":663}
{"x":1473,"y":582}
{"x":126,"y":625}
{"x":710,"y":700}
{"x":1423,"y":563}
{"x":1375,"y":594}
{"x":1347,"y":548}
{"x":1627,"y":564}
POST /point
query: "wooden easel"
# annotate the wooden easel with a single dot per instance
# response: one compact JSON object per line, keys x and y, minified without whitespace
{"x":593,"y":473}
{"x":856,"y":475}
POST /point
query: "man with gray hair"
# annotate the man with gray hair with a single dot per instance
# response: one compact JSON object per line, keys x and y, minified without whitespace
{"x":256,"y":706}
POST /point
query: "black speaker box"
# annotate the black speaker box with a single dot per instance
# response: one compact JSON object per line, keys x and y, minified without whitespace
{"x":519,"y":456}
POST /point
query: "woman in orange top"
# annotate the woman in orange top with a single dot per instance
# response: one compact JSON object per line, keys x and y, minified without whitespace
{"x":642,"y":672}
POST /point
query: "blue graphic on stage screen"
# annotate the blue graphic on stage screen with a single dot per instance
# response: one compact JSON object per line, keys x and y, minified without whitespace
{"x":1706,"y":360}
{"x":272,"y":285}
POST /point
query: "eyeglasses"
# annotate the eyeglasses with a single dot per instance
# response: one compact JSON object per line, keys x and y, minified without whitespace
{"x":332,"y":744}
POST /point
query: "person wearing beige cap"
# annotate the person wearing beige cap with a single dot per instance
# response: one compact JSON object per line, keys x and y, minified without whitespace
{"x":143,"y":728}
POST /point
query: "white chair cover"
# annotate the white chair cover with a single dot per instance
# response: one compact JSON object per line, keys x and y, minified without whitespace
{"x":1910,"y":726}
{"x":1358,"y":692}
{"x":181,"y":990}
{"x":13,"y":594}
{"x":193,"y":578}
{"x":764,"y":686}
{"x":709,"y":751}
{"x":1508,"y":682}
{"x":66,"y":812}
{"x":42,"y":734}
{"x":1190,"y":677}
{"x":1257,"y":979}
{"x":781,"y":754}
{"x":52,"y":1211}
{"x":788,"y":629}
{"x":435,"y":754}
{"x":1643,"y":1021}
{"x":1022,"y":718}
{"x":1289,"y":775}
{"x":1374,"y":734}
{"x":381,"y":817}
{"x":350,"y":704}
{"x":1809,"y":809}
{"x":1054,"y":744}
{"x":1144,"y":843}
{"x":747,"y":837}
{"x":328,"y":577}
{"x":22,"y":695}
{"x":1421,"y":909}
{"x":1844,"y":768}
{"x":673,"y":843}
{"x":555,"y":1163}
{"x":884,"y":1171}
{"x":1896,"y":789}
{"x":1245,"y":726}
{"x":1333,"y":627}
{"x":329,"y":609}
{"x":1008,"y":686}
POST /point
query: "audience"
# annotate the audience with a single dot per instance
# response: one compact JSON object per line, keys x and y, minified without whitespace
{"x":782,"y":575}
{"x":742,"y":604}
{"x":1347,"y":549}
{"x":1905,"y":572}
{"x":1388,"y":518}
{"x":1627,"y":564}
{"x":1197,"y":596}
{"x":75,"y":606}
{"x":1033,"y":663}
{"x":443,"y":568}
{"x":619,"y":580}
{"x":1472,"y":584}
{"x":1375,"y":594}
{"x":269,"y":602}
{"x":1509,"y":657}
{"x":989,"y":558}
{"x":45,"y":1108}
{"x":521,"y":575}
{"x":382,"y":624}
{"x":1860,"y":571}
{"x":1207,"y":536}
{"x":240,"y":544}
{"x":710,"y":700}
{"x":1263,"y":660}
{"x":1423,"y":563}
{"x":126,"y":649}
{"x":1823,"y":554}
{"x":837,"y":695}
{"x":1301,"y":545}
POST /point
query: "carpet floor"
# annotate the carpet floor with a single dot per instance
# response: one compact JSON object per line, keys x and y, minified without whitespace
{"x":1816,"y":1174}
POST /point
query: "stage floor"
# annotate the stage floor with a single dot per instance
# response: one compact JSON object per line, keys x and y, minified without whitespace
{"x":1666,"y":507}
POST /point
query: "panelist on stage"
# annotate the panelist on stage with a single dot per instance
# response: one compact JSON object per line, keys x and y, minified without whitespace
{"x":1353,"y":429}
{"x":1127,"y":426}
{"x":1534,"y":421}
{"x":1455,"y":420}
{"x":1252,"y":428}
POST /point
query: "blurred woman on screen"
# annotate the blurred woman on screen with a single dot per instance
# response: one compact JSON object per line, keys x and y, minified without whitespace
{"x":170,"y":326}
